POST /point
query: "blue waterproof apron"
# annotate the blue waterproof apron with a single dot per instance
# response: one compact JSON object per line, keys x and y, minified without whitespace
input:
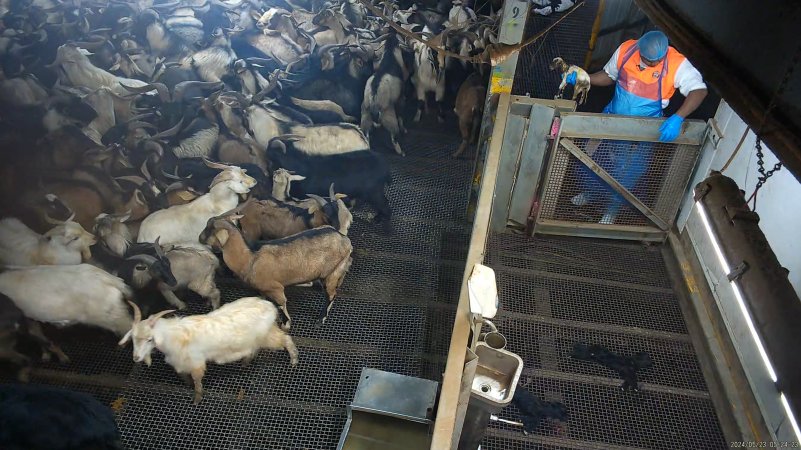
{"x":626,"y":161}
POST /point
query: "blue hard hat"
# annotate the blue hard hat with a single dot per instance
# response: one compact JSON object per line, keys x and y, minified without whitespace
{"x":653,"y":45}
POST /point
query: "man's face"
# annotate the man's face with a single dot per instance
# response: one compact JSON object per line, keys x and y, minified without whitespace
{"x":644,"y":62}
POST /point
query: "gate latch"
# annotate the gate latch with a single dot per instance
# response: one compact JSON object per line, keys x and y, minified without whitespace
{"x":738,"y":271}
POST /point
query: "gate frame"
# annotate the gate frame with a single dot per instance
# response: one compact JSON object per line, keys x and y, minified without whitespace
{"x":605,"y":126}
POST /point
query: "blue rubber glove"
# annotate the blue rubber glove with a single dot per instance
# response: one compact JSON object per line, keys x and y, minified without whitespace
{"x":671,"y":128}
{"x":571,"y":78}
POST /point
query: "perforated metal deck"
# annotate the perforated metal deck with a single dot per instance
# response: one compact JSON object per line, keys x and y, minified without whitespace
{"x":394,"y":312}
{"x":556,"y":291}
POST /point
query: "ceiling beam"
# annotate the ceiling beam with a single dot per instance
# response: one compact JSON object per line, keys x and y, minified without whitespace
{"x":747,"y":99}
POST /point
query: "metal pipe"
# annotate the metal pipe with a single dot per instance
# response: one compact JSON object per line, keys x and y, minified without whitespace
{"x":769,"y":297}
{"x":596,"y":28}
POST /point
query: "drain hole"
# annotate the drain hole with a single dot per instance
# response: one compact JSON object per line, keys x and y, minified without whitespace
{"x":485,"y":388}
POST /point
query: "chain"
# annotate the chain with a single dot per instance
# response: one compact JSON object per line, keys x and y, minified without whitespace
{"x":765,"y":174}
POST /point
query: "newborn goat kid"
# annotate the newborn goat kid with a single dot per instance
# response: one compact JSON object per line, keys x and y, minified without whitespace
{"x":582,"y":86}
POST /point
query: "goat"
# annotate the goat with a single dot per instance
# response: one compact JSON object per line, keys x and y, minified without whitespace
{"x":193,"y":267}
{"x":190,"y":266}
{"x":39,"y":417}
{"x":429,"y":76}
{"x":112,"y":231}
{"x":235,"y":331}
{"x":272,"y":219}
{"x":12,"y":325}
{"x":320,"y":253}
{"x":67,"y":243}
{"x":183,"y":223}
{"x":582,"y":86}
{"x":469,"y":109}
{"x":382,"y":93}
{"x":66,"y":295}
{"x":75,"y":69}
{"x":533,"y":410}
{"x":215,"y":61}
{"x":359,"y":175}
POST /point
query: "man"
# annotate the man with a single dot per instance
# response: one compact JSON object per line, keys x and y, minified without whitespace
{"x":646,"y":73}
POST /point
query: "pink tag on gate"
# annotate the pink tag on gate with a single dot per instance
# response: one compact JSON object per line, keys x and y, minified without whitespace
{"x":555,"y":127}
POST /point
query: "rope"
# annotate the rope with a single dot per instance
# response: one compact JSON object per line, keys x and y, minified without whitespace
{"x":736,"y":149}
{"x":493,"y":54}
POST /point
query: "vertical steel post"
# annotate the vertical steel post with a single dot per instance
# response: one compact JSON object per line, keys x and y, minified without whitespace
{"x":513,"y":24}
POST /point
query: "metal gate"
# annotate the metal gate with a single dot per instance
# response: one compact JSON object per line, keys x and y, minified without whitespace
{"x":609,"y":176}
{"x":595,"y":175}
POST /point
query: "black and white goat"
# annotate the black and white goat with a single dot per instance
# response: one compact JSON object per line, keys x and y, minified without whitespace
{"x":383,"y":92}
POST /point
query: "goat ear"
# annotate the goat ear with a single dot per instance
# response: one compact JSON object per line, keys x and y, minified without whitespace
{"x":125,"y":338}
{"x":297,"y":177}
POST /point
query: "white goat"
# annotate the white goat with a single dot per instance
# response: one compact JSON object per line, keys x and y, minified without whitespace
{"x":184,"y":223}
{"x":66,"y":295}
{"x":582,"y":86}
{"x":75,"y":69}
{"x":67,"y":243}
{"x":236,"y":331}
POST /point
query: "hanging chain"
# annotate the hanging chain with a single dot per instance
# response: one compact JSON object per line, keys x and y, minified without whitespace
{"x":765,"y":174}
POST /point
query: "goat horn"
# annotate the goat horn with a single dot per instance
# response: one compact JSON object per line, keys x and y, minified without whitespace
{"x":317,"y":198}
{"x":215,"y":165}
{"x":331,"y":192}
{"x":171,"y":176}
{"x":158,"y":249}
{"x":137,"y":180}
{"x":139,"y":124}
{"x":159,"y":315}
{"x":166,"y":5}
{"x":144,"y":170}
{"x":170,"y":132}
{"x":137,"y":312}
{"x":180,"y":88}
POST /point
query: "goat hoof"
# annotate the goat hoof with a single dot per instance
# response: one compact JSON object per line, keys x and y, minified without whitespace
{"x":285,"y":326}
{"x":63,"y":359}
{"x":198,"y":398}
{"x":293,"y":362}
{"x":46,"y":357}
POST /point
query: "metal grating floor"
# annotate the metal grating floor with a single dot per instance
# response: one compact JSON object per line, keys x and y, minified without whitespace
{"x":568,"y":40}
{"x":556,"y":291}
{"x":394,"y":312}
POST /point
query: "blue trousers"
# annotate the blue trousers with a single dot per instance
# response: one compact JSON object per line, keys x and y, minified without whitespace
{"x":626,"y":162}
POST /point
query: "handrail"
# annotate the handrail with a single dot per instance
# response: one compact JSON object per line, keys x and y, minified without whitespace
{"x":446,"y":430}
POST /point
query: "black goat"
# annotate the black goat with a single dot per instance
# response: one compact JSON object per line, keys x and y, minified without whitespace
{"x":533,"y":410}
{"x":48,"y":418}
{"x":14,"y":324}
{"x":359,"y":175}
{"x":626,"y":366}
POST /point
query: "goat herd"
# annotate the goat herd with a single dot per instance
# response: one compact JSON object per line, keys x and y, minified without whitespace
{"x":146,"y":122}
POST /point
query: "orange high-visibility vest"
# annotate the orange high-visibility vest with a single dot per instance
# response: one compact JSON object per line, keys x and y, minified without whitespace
{"x":644,"y":83}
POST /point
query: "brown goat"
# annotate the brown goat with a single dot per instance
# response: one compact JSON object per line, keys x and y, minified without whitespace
{"x":320,"y":253}
{"x":469,"y":108}
{"x":272,"y":219}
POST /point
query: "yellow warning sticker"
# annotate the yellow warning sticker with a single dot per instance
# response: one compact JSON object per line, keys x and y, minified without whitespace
{"x":500,"y":85}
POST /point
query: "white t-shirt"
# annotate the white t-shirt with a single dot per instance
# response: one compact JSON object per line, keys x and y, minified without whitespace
{"x":687,"y":79}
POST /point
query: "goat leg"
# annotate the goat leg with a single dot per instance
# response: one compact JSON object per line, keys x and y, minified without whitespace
{"x":35,"y":330}
{"x":197,"y":377}
{"x":172,"y":298}
{"x":278,"y":296}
